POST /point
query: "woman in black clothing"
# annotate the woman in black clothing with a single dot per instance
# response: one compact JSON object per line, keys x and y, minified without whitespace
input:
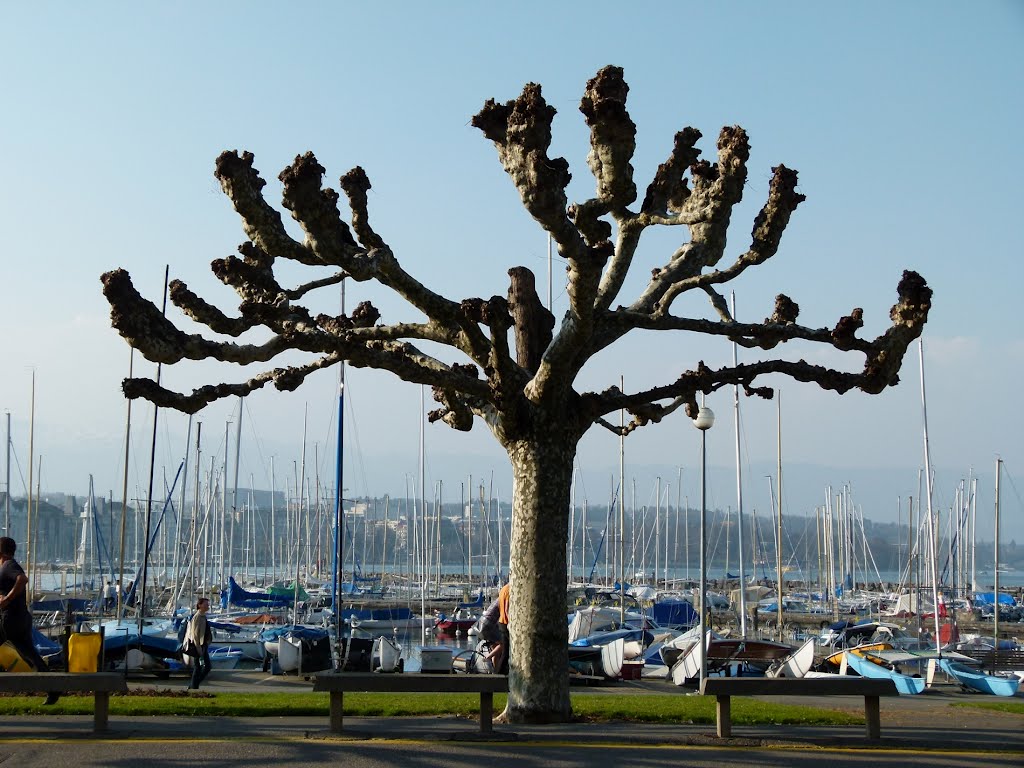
{"x":15,"y":619}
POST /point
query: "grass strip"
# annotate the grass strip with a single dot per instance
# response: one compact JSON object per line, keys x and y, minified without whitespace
{"x":1013,"y":707}
{"x":654,"y":708}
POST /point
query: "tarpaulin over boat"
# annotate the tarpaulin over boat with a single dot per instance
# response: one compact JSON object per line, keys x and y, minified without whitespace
{"x":988,"y":598}
{"x":288,"y":592}
{"x":393,"y":613}
{"x":236,"y":596}
{"x":674,"y":613}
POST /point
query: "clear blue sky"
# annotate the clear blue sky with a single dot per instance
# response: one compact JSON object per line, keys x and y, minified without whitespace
{"x":903,"y":120}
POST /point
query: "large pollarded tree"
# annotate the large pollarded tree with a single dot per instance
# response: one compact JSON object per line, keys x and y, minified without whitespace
{"x":525,"y":396}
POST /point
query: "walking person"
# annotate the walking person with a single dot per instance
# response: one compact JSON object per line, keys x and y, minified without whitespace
{"x":504,"y":598}
{"x":197,"y":643}
{"x":15,"y":617}
{"x":491,"y":634}
{"x":108,"y":595}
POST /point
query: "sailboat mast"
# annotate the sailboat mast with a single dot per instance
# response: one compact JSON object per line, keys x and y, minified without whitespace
{"x":739,"y":483}
{"x":225,"y":568}
{"x":931,"y":517}
{"x":995,"y":568}
{"x":778,"y":519}
{"x":7,"y":486}
{"x":31,"y":462}
{"x":273,"y":525}
{"x":974,"y":534}
{"x":234,"y":491}
{"x":622,"y":508}
{"x":152,"y":462}
{"x":422,"y":541}
{"x":181,"y":516}
{"x":337,"y":572}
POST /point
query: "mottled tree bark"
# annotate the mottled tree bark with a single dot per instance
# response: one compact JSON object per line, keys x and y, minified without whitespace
{"x":542,"y":476}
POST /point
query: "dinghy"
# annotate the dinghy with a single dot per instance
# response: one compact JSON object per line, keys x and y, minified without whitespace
{"x":386,"y":655}
{"x":976,"y":680}
{"x":905,"y":684}
{"x":797,"y":664}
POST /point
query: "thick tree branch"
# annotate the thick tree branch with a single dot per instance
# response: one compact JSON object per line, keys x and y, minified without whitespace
{"x":285,"y":379}
{"x":716,"y":190}
{"x":262,"y":223}
{"x":145,"y":328}
{"x":612,"y":138}
{"x":532,"y":321}
{"x":207,"y":314}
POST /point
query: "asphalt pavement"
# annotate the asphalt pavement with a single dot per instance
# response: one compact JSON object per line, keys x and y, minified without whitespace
{"x":929,"y":729}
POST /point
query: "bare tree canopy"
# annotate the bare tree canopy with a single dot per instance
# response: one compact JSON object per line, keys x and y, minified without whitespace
{"x":518,"y":370}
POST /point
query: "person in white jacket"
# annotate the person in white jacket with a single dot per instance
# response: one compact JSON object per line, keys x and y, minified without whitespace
{"x":197,"y":643}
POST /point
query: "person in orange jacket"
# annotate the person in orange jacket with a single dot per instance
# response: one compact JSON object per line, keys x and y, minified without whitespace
{"x":501,"y":666}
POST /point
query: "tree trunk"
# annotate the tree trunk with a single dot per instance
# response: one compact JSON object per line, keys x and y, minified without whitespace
{"x":539,"y":662}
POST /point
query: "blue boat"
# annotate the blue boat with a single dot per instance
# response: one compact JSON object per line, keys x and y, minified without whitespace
{"x":975,"y":679}
{"x":905,"y":684}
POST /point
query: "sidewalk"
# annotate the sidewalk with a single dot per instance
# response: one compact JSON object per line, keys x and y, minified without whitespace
{"x":922,"y":726}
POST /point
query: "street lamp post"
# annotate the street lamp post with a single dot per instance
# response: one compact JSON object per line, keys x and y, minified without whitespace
{"x":704,"y":420}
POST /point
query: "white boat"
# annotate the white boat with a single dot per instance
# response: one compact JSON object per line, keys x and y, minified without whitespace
{"x":612,"y":658}
{"x":797,"y":664}
{"x":386,"y":655}
{"x":687,"y":666}
{"x":225,"y":657}
{"x":593,"y":619}
{"x":289,"y":653}
{"x":673,"y":648}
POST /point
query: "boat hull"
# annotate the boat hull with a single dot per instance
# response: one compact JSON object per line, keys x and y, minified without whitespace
{"x":979,"y":681}
{"x":905,"y":684}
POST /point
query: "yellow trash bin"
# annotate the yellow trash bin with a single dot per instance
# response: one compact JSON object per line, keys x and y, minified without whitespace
{"x":84,"y":651}
{"x":12,"y":661}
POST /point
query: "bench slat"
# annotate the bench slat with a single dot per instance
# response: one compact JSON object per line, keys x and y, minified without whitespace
{"x":413,"y":682}
{"x":61,"y":682}
{"x":809,"y":686}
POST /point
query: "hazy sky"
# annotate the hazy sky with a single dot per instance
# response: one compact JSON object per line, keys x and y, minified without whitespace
{"x":903,"y":120}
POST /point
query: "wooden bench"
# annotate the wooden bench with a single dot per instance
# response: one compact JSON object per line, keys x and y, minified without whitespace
{"x":337,"y":683}
{"x":1005,"y":659}
{"x":100,"y":684}
{"x":723,"y":688}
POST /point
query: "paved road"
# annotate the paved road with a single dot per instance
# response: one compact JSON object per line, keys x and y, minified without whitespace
{"x":927,"y":730}
{"x":295,"y":753}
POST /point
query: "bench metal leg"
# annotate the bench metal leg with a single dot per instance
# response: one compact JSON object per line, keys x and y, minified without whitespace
{"x":102,"y":709}
{"x":873,"y":717}
{"x":337,"y":708}
{"x":723,"y":716}
{"x":486,"y":712}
